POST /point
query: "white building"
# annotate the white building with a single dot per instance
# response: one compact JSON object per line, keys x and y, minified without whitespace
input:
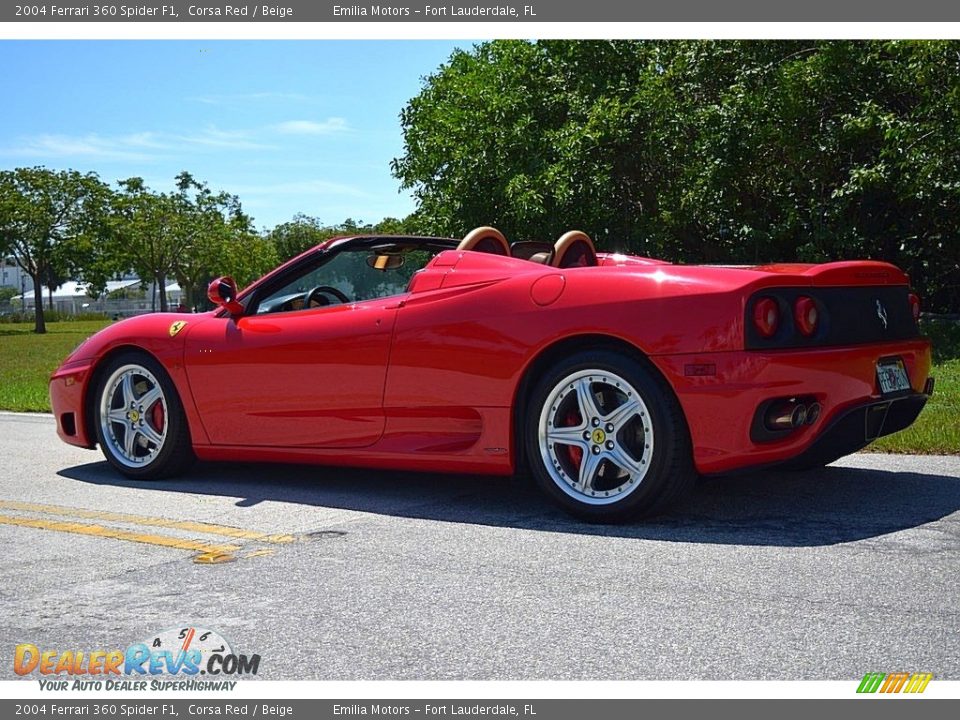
{"x":72,"y":298}
{"x":12,"y":276}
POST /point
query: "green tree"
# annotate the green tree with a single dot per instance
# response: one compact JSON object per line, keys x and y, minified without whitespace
{"x":707,"y":151}
{"x":207,"y":225}
{"x":299,"y":235}
{"x":53,"y":278}
{"x":304,"y":232}
{"x":246,"y":256}
{"x":44,"y":216}
{"x":7,"y":293}
{"x":187,"y":234}
{"x":100,"y":256}
{"x":146,"y":228}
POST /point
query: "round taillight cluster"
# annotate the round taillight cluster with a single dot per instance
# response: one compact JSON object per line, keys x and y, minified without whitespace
{"x":766,"y":316}
{"x":915,"y":306}
{"x":806,"y":315}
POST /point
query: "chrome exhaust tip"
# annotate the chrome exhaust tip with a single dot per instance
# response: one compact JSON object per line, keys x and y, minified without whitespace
{"x":813,"y":412}
{"x":786,"y":416}
{"x":799,"y":415}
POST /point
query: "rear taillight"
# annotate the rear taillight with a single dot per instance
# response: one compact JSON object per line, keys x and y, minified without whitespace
{"x":915,"y":306}
{"x":766,"y":316}
{"x":806,"y":315}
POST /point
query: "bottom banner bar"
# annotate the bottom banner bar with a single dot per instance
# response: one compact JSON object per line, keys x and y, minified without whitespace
{"x":615,"y":709}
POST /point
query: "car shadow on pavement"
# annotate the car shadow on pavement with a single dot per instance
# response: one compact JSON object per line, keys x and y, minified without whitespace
{"x":792,"y":509}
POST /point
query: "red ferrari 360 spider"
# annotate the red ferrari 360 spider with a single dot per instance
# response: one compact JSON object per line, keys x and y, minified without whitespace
{"x":615,"y":379}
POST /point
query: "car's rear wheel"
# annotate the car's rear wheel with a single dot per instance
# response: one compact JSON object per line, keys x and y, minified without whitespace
{"x":139,"y":419}
{"x":606,"y":439}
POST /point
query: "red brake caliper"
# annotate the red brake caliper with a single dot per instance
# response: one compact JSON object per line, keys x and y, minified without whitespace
{"x":156,"y":416}
{"x":575,"y":453}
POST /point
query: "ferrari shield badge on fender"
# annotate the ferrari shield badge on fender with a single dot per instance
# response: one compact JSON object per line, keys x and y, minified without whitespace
{"x":177,"y":327}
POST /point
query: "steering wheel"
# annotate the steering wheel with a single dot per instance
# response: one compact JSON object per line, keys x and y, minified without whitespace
{"x":319,"y":291}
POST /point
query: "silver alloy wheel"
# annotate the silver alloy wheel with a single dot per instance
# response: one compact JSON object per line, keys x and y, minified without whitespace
{"x":133,"y":415}
{"x":596,"y":437}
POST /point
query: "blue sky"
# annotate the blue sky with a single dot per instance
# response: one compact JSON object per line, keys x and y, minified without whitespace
{"x":287,"y":126}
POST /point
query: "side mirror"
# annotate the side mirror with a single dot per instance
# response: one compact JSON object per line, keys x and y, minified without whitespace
{"x":222,"y":292}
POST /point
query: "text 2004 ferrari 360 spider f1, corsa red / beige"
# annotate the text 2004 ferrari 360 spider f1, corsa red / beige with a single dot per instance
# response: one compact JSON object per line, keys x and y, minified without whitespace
{"x":615,"y":379}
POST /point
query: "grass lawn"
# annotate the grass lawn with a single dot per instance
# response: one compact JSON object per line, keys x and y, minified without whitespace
{"x":937,"y":430}
{"x":26,"y":361}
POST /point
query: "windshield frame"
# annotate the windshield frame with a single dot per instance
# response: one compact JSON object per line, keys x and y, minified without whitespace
{"x":322,"y":254}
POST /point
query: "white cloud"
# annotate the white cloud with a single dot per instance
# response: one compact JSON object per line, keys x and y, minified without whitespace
{"x":231,"y":139}
{"x":329,"y":126}
{"x":139,"y":147}
{"x":148,"y":145}
{"x":144,"y":139}
{"x":92,"y":146}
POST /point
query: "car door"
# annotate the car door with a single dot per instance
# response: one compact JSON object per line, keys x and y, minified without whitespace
{"x":307,"y":378}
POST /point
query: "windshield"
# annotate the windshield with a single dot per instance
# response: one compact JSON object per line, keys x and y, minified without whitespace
{"x":351,"y":275}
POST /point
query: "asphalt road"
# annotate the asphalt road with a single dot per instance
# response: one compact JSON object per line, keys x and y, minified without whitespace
{"x":821,"y":575}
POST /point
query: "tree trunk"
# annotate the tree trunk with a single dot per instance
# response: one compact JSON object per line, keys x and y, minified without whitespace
{"x":39,"y":326}
{"x":162,"y":289}
{"x":50,"y":296}
{"x":186,"y":295}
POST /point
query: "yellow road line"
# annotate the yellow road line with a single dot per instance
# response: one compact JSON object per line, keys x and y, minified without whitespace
{"x":262,"y":552}
{"x":208,"y":551}
{"x":107,"y":516}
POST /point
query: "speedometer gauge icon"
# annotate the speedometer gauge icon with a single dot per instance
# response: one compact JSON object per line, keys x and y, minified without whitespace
{"x":182,"y":640}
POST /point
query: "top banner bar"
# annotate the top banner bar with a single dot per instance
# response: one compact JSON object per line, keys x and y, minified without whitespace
{"x":540,"y":11}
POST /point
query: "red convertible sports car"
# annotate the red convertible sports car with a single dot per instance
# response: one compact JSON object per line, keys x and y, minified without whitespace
{"x":614,"y":379}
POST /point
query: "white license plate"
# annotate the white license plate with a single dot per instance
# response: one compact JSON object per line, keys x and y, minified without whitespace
{"x":892,"y":376}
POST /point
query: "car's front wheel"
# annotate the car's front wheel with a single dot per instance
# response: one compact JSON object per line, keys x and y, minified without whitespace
{"x":139,"y":419}
{"x":606,"y":439}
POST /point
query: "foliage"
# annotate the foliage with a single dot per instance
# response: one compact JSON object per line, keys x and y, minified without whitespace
{"x":304,"y":232}
{"x":145,"y":231}
{"x":945,"y":335}
{"x":246,"y":256}
{"x":46,"y":217}
{"x":299,"y":235}
{"x":7,"y":293}
{"x":220,"y":240}
{"x":191,"y":235}
{"x":700,"y":151}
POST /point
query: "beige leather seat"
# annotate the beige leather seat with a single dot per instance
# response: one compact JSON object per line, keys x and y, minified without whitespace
{"x":532,"y":250}
{"x":574,"y":249}
{"x":485,"y":239}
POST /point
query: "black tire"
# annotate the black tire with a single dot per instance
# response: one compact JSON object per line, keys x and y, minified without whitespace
{"x":148,"y":460}
{"x":641,"y":465}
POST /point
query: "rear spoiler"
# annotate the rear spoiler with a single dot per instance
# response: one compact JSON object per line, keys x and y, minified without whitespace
{"x":847,"y":273}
